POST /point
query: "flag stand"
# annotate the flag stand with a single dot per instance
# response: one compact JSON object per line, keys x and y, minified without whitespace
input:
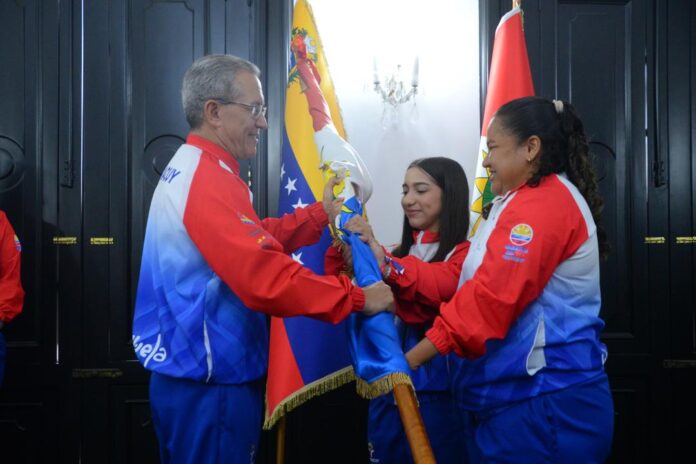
{"x":413,"y":425}
{"x":280,"y":441}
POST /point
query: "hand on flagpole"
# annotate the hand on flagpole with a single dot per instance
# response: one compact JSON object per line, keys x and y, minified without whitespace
{"x":378,"y":298}
{"x":331,"y":203}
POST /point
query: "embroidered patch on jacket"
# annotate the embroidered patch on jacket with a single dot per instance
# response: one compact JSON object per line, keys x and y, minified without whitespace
{"x":246,"y":220}
{"x":521,"y":235}
{"x":262,"y":240}
{"x":515,"y":253}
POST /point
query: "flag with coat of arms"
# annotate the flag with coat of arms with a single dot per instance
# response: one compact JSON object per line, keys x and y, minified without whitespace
{"x":307,"y":357}
{"x":509,"y":78}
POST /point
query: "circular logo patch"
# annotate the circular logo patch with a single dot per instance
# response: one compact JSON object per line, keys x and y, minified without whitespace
{"x":521,"y":234}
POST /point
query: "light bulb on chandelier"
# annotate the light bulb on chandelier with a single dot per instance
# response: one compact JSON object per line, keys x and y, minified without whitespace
{"x":394,"y":91}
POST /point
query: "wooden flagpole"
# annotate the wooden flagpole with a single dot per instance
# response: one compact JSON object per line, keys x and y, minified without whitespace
{"x":413,"y":425}
{"x":280,"y":441}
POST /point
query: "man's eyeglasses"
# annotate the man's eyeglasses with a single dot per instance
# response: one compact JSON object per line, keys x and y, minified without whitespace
{"x":256,"y":110}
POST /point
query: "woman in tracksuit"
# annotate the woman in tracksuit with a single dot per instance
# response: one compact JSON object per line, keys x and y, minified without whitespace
{"x":434,"y":200}
{"x":526,"y":314}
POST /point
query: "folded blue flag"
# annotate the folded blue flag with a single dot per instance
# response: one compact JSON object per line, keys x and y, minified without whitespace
{"x":374,"y":343}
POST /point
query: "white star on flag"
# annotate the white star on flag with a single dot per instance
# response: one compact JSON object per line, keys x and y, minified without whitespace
{"x":282,"y":171}
{"x":291,"y":185}
{"x":298,"y":257}
{"x":299,"y":204}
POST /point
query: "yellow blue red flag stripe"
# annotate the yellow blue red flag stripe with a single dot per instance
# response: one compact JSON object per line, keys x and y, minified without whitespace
{"x":307,"y":357}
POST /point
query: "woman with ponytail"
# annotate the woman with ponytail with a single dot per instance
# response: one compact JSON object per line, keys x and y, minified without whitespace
{"x":526,"y":314}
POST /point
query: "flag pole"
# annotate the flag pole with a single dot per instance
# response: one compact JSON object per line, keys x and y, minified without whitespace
{"x":413,"y":425}
{"x":517,"y":3}
{"x":280,"y":441}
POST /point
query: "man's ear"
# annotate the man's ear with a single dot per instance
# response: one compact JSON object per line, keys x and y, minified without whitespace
{"x":211,"y":113}
{"x":533,"y":147}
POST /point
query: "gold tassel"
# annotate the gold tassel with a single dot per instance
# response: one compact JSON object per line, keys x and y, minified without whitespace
{"x":383,"y":385}
{"x":301,"y":396}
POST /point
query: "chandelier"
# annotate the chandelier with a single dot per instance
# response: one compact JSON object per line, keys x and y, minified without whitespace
{"x":393,"y":90}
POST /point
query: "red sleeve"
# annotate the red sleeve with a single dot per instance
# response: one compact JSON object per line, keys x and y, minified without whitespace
{"x":333,"y":261}
{"x":11,"y":292}
{"x":420,"y":287}
{"x":249,"y":259}
{"x":486,"y":305}
{"x":301,"y":228}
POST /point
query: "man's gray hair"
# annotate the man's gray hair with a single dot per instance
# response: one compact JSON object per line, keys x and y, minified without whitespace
{"x":211,"y":77}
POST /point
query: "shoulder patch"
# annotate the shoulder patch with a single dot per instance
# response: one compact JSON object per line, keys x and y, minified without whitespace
{"x":245,"y":220}
{"x":521,"y":235}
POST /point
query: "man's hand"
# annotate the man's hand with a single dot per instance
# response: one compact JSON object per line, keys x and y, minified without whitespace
{"x":347,"y":253}
{"x":378,"y":298}
{"x":332,"y":205}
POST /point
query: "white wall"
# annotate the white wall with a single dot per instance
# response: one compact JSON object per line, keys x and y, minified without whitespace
{"x":445,"y":120}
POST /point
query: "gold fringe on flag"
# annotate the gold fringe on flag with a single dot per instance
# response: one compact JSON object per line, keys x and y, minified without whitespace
{"x":382,"y":386}
{"x":301,"y":396}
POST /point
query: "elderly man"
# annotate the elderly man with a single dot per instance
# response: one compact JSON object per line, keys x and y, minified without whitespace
{"x":211,"y":271}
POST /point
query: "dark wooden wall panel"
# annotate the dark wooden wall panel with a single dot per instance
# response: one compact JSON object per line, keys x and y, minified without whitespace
{"x":21,"y":92}
{"x":27,"y":419}
{"x":29,"y":115}
{"x":593,"y":74}
{"x":129,"y":407}
{"x":680,"y":64}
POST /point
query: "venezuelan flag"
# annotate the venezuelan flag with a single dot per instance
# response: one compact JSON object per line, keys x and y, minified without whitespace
{"x":307,"y":357}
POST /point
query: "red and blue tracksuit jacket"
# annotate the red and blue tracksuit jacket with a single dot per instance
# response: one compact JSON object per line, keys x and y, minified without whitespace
{"x":211,"y":269}
{"x":526,"y":314}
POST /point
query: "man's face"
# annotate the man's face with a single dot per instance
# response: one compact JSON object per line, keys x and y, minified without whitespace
{"x":239,"y":131}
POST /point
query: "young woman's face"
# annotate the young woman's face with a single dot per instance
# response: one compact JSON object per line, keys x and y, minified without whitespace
{"x":422,"y":200}
{"x":508,"y":161}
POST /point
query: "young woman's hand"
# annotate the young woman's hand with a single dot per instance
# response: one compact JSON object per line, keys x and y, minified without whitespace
{"x":358,"y":225}
{"x":420,"y":354}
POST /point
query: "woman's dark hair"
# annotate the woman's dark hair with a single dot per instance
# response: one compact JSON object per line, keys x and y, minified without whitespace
{"x":454,"y":214}
{"x":564,"y":147}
